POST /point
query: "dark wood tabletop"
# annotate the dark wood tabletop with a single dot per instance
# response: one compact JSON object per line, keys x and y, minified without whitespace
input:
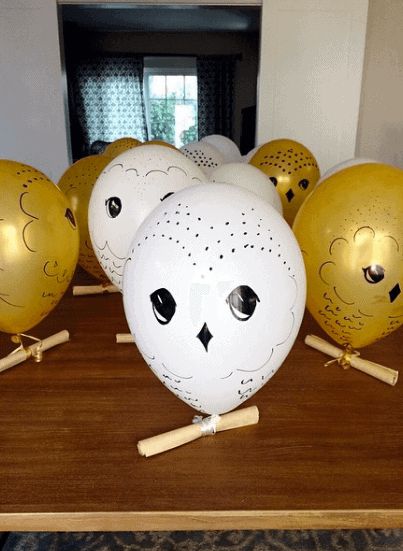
{"x":326,"y":453}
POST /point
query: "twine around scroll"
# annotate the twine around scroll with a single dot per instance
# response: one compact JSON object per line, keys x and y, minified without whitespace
{"x":344,"y":360}
{"x":208,"y":425}
{"x":36,"y":353}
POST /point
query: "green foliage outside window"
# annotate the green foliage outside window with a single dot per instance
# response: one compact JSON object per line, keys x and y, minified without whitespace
{"x":162,"y":118}
{"x":190,"y":135}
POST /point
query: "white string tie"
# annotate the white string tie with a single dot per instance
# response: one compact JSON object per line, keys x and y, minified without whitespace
{"x":208,"y":425}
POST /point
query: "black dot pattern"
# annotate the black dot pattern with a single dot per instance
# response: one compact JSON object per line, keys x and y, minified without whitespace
{"x":207,"y":243}
{"x":289,"y":161}
{"x":202,"y":158}
{"x":29,"y":175}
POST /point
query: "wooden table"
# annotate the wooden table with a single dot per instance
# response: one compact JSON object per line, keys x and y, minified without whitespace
{"x":327,"y":452}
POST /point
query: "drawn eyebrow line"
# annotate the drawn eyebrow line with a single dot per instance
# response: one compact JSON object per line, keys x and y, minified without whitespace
{"x":391,"y":237}
{"x":363,"y":228}
{"x":296,"y":292}
{"x":339,"y":297}
{"x":178,"y":168}
{"x":107,"y":246}
{"x":175,"y":374}
{"x":113,"y":166}
{"x":259,"y":368}
{"x":366,"y":315}
{"x":9,"y":303}
{"x":24,"y":238}
{"x":227,"y":376}
{"x":322,"y":266}
{"x":288,"y":336}
{"x":22,"y":208}
{"x":155,"y":170}
{"x":334,"y":241}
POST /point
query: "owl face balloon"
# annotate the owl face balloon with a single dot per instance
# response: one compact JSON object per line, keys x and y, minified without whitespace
{"x":127,"y":190}
{"x":351,"y":233}
{"x":228,"y":149}
{"x":248,"y":177}
{"x":344,"y":164}
{"x":39,"y":243}
{"x":293,"y":170}
{"x":77,"y":183}
{"x":214,"y":293}
{"x":204,"y":154}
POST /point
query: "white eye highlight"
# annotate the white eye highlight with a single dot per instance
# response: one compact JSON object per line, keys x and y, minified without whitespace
{"x":242,"y":302}
{"x":374,"y":273}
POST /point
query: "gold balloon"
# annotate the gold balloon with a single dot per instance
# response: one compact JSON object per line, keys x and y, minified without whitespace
{"x":293,"y":170}
{"x":118,"y":146}
{"x":77,"y":183}
{"x":38,"y":246}
{"x":350,"y":230}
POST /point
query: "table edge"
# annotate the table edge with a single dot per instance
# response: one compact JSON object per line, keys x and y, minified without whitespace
{"x":202,"y":520}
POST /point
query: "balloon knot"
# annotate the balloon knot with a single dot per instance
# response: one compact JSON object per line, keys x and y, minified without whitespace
{"x":208,"y":425}
{"x":344,"y":360}
{"x":34,"y":352}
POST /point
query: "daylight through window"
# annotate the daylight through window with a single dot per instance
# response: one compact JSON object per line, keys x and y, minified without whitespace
{"x":170,"y":92}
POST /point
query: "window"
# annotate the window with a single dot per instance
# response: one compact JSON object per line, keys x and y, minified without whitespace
{"x":170,"y":94}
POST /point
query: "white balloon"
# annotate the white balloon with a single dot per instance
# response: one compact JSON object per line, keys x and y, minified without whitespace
{"x":246,"y":158}
{"x":205,"y":155}
{"x":131,"y":185}
{"x":228,"y":149}
{"x":214,"y":293}
{"x":248,"y":177}
{"x":344,"y":164}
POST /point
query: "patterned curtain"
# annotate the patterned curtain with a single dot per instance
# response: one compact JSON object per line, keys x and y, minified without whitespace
{"x":215,"y":88}
{"x":106,"y":101}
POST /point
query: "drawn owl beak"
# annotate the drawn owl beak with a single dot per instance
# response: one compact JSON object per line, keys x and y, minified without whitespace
{"x":205,"y":336}
{"x":394,"y":292}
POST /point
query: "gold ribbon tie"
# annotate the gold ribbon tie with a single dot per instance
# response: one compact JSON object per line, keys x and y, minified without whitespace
{"x":344,"y":360}
{"x":34,"y":352}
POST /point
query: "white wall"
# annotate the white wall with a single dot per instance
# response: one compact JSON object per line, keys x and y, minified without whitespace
{"x":311,"y":63}
{"x":380,"y":135}
{"x":31,"y":92}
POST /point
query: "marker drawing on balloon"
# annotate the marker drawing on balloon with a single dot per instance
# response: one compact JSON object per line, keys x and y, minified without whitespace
{"x":207,"y":293}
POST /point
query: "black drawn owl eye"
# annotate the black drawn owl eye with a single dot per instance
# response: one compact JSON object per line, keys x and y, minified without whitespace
{"x":113,"y":206}
{"x":164,"y":305}
{"x":242,"y":302}
{"x":166,"y":195}
{"x":70,"y":217}
{"x":374,"y":273}
{"x":274,"y":180}
{"x":303,"y":184}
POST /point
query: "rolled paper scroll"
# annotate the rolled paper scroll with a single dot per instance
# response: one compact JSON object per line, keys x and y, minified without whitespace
{"x":34,"y":350}
{"x":202,"y":427}
{"x":123,"y":338}
{"x":348,"y":357}
{"x":80,"y":290}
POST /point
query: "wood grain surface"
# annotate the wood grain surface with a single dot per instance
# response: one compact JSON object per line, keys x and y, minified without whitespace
{"x":327,"y":452}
